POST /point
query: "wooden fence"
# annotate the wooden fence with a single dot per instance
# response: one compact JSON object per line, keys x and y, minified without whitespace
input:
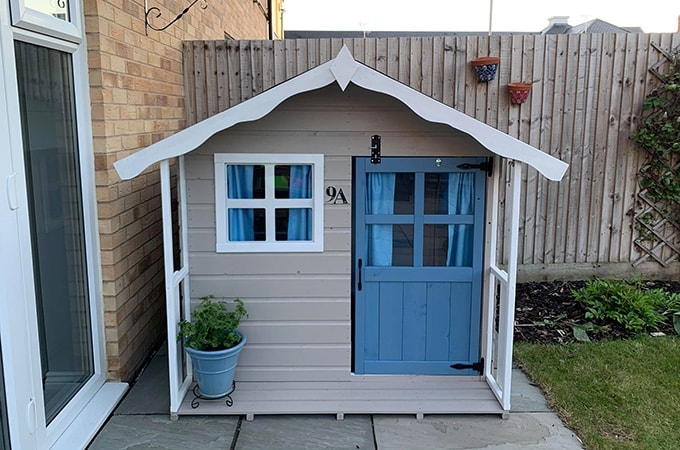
{"x":586,"y":99}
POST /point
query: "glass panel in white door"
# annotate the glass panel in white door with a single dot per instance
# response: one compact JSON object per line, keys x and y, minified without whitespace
{"x":4,"y":431}
{"x":46,"y":95}
{"x":54,"y":8}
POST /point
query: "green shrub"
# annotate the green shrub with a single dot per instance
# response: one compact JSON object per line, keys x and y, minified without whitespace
{"x":213,"y":325}
{"x":627,"y":303}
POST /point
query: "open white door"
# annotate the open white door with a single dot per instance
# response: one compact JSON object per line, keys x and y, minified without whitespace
{"x":500,"y":314}
{"x":177,"y":296}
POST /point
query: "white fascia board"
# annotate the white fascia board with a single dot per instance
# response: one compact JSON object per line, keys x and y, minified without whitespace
{"x":343,"y":69}
{"x":254,"y":108}
{"x":431,"y":110}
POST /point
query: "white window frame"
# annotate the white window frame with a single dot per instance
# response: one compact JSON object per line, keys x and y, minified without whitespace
{"x":40,"y":22}
{"x":269,"y":160}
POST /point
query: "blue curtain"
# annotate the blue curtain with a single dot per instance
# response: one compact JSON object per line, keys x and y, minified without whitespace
{"x":300,"y":219}
{"x":380,"y":200}
{"x":461,"y":202}
{"x":240,"y":185}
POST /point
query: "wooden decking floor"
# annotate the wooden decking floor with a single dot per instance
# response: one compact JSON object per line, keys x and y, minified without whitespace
{"x":382,"y":395}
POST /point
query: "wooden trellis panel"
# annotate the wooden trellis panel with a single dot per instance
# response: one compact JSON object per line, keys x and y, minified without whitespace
{"x":585,"y":102}
{"x":658,"y":232}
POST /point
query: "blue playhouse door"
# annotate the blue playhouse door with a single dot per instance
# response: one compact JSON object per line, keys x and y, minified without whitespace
{"x":418,"y":251}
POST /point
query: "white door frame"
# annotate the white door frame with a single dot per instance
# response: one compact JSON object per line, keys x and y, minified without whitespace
{"x":18,"y":321}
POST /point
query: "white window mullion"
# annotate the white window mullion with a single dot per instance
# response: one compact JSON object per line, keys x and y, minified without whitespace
{"x":270,"y":201}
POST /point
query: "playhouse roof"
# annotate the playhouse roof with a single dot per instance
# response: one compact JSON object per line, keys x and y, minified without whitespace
{"x":343,"y":69}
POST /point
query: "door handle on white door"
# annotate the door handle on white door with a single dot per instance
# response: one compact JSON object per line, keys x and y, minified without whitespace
{"x":31,"y":416}
{"x":12,"y":191}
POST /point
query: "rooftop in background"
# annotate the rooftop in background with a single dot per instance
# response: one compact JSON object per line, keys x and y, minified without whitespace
{"x":560,"y":25}
{"x":556,"y":25}
{"x":318,"y":34}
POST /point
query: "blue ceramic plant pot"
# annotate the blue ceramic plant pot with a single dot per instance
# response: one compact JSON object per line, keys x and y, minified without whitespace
{"x":486,"y":67}
{"x":214,"y":370}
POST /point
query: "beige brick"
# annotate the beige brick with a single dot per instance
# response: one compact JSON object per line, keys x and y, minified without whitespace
{"x":137,"y":99}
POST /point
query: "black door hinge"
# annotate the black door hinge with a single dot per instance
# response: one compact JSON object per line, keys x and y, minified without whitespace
{"x":486,"y":166}
{"x":477,"y":367}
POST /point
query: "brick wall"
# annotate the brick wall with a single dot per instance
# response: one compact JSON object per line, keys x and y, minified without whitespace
{"x":136,"y":89}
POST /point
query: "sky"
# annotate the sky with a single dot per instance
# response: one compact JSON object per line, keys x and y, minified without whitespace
{"x":472,"y":15}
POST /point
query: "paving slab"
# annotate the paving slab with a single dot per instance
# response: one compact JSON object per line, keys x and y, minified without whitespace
{"x":520,"y":431}
{"x":129,"y":432}
{"x":526,"y":396}
{"x":306,"y":433}
{"x":149,"y":394}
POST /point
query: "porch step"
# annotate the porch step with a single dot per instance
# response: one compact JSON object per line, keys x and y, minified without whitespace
{"x":382,"y":396}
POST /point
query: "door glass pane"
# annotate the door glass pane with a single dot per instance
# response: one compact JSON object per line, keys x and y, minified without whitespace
{"x":447,"y":245}
{"x":390,"y":245}
{"x":402,"y":253}
{"x":45,"y":84}
{"x":4,"y":431}
{"x":55,"y":8}
{"x":390,"y":193}
{"x":449,"y":193}
{"x":403,"y":193}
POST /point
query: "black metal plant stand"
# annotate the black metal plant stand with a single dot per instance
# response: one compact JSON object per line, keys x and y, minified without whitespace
{"x":197,"y":396}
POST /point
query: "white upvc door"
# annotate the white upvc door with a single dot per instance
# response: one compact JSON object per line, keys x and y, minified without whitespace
{"x":51,"y":322}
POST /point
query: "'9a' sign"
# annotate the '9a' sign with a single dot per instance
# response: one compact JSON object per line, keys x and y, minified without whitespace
{"x":335,"y":196}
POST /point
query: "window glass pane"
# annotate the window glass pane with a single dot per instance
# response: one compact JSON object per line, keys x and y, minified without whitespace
{"x":245,"y":181}
{"x":247,"y":224}
{"x":293,"y":181}
{"x":294,"y":224}
{"x":390,"y":245}
{"x":57,"y":224}
{"x":55,"y":8}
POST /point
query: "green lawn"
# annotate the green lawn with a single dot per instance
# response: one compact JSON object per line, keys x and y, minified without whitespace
{"x":621,"y":394}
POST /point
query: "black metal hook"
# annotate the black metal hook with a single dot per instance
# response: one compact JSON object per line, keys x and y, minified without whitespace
{"x":157,"y":11}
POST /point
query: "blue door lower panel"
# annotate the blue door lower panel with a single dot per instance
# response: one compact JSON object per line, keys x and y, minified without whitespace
{"x":422,"y":328}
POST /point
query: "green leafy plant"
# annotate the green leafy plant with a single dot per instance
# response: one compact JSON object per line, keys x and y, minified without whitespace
{"x":213,"y":326}
{"x":659,"y":135}
{"x":583,"y":331}
{"x":627,"y":303}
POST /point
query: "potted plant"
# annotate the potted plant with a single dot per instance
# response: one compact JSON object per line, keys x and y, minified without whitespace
{"x":519,"y":92}
{"x":213,"y":342}
{"x":485,"y":67}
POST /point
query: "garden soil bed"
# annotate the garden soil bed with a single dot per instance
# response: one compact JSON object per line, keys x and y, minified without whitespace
{"x":546,"y":311}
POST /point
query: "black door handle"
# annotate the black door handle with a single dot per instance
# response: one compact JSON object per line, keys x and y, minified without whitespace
{"x":360,"y":264}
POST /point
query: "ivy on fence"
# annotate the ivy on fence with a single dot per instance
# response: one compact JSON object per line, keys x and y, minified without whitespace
{"x":658,"y":220}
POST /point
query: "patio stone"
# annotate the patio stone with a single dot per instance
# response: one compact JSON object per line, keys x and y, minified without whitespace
{"x":306,"y":433}
{"x":521,"y":431}
{"x":149,"y":395}
{"x":159,"y":432}
{"x":526,"y":397}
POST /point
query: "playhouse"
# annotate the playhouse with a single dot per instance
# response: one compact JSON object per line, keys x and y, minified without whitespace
{"x":359,"y":220}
